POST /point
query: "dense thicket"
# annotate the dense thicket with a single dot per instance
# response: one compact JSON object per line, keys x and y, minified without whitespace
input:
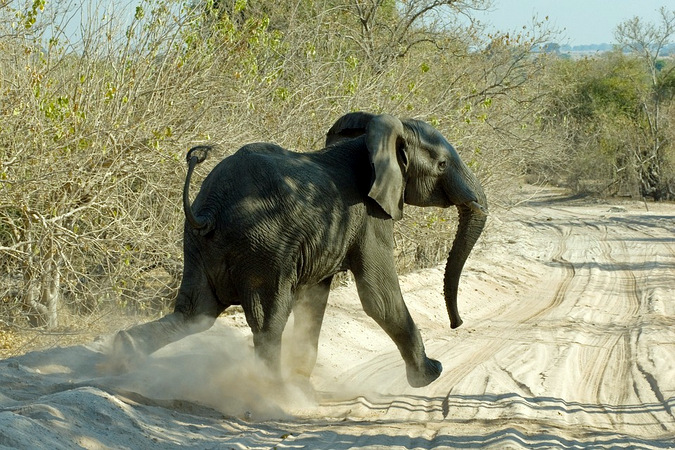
{"x":95,"y":120}
{"x":614,"y":114}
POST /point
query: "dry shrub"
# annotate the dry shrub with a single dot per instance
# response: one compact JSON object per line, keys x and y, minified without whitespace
{"x":94,"y":128}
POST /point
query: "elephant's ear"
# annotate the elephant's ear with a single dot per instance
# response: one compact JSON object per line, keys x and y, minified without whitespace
{"x":348,"y":126}
{"x":384,"y":139}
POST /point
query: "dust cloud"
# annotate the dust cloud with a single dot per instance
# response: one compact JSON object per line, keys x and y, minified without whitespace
{"x":217,"y":369}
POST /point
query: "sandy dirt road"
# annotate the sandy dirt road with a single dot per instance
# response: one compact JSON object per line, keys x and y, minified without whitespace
{"x":568,"y":342}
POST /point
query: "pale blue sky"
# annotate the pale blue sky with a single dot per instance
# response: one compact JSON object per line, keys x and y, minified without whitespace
{"x":581,"y":21}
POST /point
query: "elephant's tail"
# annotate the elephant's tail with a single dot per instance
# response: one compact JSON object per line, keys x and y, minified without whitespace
{"x":200,"y":225}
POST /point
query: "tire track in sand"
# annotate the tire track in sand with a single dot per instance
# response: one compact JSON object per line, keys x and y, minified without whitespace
{"x":594,"y":314}
{"x":565,"y":353}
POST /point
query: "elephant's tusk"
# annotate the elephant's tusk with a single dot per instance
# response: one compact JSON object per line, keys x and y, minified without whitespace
{"x":477,"y":208}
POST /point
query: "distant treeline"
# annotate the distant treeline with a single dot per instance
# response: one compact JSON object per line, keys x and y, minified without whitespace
{"x":666,"y":50}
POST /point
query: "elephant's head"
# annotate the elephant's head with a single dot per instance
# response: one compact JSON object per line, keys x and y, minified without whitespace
{"x":413,"y":163}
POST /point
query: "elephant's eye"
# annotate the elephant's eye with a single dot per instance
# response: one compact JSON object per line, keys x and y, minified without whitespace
{"x":442,"y":165}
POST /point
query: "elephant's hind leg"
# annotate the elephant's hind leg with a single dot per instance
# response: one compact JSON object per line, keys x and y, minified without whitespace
{"x":131,"y":347}
{"x":196,"y":311}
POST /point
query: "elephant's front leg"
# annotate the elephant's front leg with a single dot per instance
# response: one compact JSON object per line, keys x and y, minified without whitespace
{"x":385,"y":305}
{"x":380,"y":294}
{"x":308,"y":313}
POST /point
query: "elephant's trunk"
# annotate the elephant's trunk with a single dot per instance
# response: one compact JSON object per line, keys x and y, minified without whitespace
{"x":472,"y":218}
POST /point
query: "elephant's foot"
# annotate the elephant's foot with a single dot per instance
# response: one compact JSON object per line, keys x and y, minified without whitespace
{"x":430,"y":370}
{"x":301,"y":391}
{"x":124,"y":355}
{"x":300,"y":384}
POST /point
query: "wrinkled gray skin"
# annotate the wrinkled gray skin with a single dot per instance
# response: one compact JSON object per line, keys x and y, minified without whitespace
{"x":270,"y":227}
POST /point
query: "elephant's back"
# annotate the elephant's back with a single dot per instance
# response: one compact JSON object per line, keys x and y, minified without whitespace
{"x":268,"y":173}
{"x":281,"y":207}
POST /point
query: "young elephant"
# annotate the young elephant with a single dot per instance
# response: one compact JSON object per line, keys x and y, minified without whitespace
{"x":270,"y":227}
